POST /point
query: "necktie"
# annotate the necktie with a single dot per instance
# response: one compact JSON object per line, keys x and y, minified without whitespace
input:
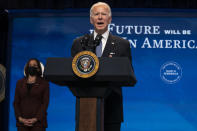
{"x":99,"y":49}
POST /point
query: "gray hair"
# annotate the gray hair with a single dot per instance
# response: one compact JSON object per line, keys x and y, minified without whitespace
{"x":100,"y":3}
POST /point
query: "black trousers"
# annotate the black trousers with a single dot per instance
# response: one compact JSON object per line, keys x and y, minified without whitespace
{"x":112,"y":126}
{"x":23,"y":128}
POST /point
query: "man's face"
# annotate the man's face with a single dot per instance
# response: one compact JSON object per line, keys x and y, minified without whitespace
{"x":100,"y":18}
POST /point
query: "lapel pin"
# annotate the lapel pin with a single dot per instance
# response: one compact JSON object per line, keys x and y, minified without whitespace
{"x":111,"y":53}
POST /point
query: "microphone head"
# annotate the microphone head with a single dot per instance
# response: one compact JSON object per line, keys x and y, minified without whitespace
{"x":97,"y":40}
{"x":86,"y":37}
{"x":84,"y":41}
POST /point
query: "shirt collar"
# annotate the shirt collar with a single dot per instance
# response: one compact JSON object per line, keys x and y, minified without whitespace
{"x":104,"y":35}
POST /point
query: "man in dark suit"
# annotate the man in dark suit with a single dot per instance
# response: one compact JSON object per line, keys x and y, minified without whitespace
{"x":110,"y":46}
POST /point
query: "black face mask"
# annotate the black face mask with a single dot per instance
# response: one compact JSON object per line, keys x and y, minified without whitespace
{"x":32,"y":71}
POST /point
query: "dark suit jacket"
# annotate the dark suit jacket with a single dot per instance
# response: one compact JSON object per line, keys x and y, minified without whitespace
{"x":117,"y":47}
{"x":32,"y":104}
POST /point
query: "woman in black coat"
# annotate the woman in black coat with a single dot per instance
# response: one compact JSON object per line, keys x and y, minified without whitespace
{"x":31,"y":99}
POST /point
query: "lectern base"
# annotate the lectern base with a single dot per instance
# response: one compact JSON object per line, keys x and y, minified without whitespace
{"x":90,"y":114}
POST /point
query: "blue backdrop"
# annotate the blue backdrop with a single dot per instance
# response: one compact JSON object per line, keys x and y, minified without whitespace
{"x":164,"y":56}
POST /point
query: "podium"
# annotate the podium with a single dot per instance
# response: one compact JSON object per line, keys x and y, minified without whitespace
{"x":91,"y":92}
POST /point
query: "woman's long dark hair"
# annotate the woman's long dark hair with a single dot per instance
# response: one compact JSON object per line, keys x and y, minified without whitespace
{"x":39,"y":67}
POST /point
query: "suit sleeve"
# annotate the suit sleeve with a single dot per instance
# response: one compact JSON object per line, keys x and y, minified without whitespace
{"x":45,"y":101}
{"x":75,"y":47}
{"x":128,"y":51}
{"x":17,"y":100}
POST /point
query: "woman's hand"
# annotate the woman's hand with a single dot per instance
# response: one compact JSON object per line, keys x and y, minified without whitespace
{"x":26,"y":122}
{"x":32,"y":120}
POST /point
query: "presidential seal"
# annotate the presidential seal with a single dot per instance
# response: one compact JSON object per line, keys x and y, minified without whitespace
{"x":2,"y":82}
{"x":171,"y":72}
{"x":85,"y":64}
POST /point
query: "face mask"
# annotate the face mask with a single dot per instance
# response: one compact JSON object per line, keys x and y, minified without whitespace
{"x":32,"y":71}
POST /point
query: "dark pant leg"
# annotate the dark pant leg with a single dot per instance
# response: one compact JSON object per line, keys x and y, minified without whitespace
{"x":31,"y":129}
{"x":112,"y":126}
{"x":23,"y":128}
{"x":38,"y":129}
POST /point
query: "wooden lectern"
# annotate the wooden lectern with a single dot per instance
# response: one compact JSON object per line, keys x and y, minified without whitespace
{"x":90,"y":92}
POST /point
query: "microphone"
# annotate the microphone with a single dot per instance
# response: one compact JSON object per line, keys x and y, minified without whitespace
{"x":95,"y":43}
{"x":97,"y":40}
{"x":89,"y":44}
{"x":84,"y":41}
